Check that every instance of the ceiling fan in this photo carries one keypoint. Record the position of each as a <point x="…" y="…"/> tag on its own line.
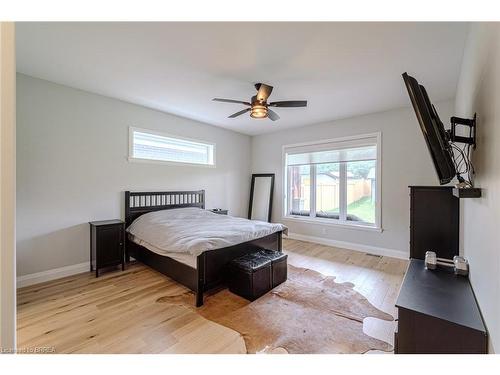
<point x="258" y="106"/>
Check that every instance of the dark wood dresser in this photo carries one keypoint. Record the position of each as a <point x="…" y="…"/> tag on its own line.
<point x="107" y="244"/>
<point x="434" y="221"/>
<point x="438" y="313"/>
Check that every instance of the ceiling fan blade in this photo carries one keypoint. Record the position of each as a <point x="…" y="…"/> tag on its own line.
<point x="289" y="103"/>
<point x="263" y="91"/>
<point x="239" y="113"/>
<point x="230" y="101"/>
<point x="272" y="115"/>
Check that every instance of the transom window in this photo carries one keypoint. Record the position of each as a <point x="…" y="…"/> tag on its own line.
<point x="154" y="146"/>
<point x="334" y="181"/>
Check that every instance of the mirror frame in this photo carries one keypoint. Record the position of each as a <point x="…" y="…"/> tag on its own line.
<point x="271" y="193"/>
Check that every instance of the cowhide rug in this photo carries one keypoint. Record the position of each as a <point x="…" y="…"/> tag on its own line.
<point x="309" y="313"/>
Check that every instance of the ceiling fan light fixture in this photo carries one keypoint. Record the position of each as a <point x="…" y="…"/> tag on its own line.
<point x="258" y="111"/>
<point x="258" y="105"/>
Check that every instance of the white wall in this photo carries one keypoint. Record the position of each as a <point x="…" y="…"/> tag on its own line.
<point x="72" y="167"/>
<point x="479" y="91"/>
<point x="405" y="161"/>
<point x="7" y="187"/>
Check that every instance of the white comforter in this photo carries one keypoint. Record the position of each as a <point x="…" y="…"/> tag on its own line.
<point x="193" y="230"/>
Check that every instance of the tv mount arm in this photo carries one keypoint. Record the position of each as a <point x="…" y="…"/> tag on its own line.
<point x="471" y="123"/>
<point x="470" y="141"/>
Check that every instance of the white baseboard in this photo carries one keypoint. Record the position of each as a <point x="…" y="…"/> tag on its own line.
<point x="56" y="273"/>
<point x="350" y="246"/>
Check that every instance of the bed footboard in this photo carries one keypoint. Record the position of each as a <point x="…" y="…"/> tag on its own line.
<point x="200" y="274"/>
<point x="211" y="265"/>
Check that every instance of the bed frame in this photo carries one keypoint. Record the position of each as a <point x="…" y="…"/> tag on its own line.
<point x="210" y="270"/>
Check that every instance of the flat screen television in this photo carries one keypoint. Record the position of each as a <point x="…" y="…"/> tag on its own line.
<point x="433" y="130"/>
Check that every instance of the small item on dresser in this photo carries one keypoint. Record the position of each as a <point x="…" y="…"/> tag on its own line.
<point x="459" y="264"/>
<point x="430" y="260"/>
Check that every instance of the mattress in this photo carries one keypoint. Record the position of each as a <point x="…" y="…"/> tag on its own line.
<point x="193" y="231"/>
<point x="184" y="258"/>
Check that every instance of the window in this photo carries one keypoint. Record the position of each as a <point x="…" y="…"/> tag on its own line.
<point x="148" y="145"/>
<point x="300" y="188"/>
<point x="334" y="181"/>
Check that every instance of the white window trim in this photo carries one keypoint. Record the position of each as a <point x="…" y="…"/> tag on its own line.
<point x="162" y="134"/>
<point x="337" y="222"/>
<point x="332" y="223"/>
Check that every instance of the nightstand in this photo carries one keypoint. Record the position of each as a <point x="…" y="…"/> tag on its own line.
<point x="219" y="211"/>
<point x="107" y="244"/>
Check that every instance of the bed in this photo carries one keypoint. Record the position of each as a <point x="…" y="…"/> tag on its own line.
<point x="202" y="272"/>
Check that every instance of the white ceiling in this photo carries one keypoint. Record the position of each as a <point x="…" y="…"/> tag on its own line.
<point x="342" y="69"/>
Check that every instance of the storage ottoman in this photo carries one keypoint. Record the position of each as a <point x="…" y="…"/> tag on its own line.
<point x="250" y="276"/>
<point x="279" y="267"/>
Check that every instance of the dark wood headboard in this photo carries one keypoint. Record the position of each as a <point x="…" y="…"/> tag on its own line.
<point x="138" y="203"/>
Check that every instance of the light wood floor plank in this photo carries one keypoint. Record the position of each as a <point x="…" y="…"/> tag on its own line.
<point x="118" y="313"/>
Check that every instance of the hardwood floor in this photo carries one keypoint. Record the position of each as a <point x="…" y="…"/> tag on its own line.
<point x="117" y="313"/>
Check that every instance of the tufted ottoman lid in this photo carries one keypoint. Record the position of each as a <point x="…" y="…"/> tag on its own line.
<point x="273" y="255"/>
<point x="251" y="262"/>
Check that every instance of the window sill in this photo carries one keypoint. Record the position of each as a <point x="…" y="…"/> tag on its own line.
<point x="173" y="163"/>
<point x="333" y="223"/>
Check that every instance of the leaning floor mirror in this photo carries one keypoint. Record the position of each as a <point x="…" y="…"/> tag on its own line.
<point x="261" y="197"/>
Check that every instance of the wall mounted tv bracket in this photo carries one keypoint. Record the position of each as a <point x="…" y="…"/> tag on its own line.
<point x="471" y="123"/>
<point x="460" y="191"/>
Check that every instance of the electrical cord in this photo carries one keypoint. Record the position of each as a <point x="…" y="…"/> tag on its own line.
<point x="462" y="163"/>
